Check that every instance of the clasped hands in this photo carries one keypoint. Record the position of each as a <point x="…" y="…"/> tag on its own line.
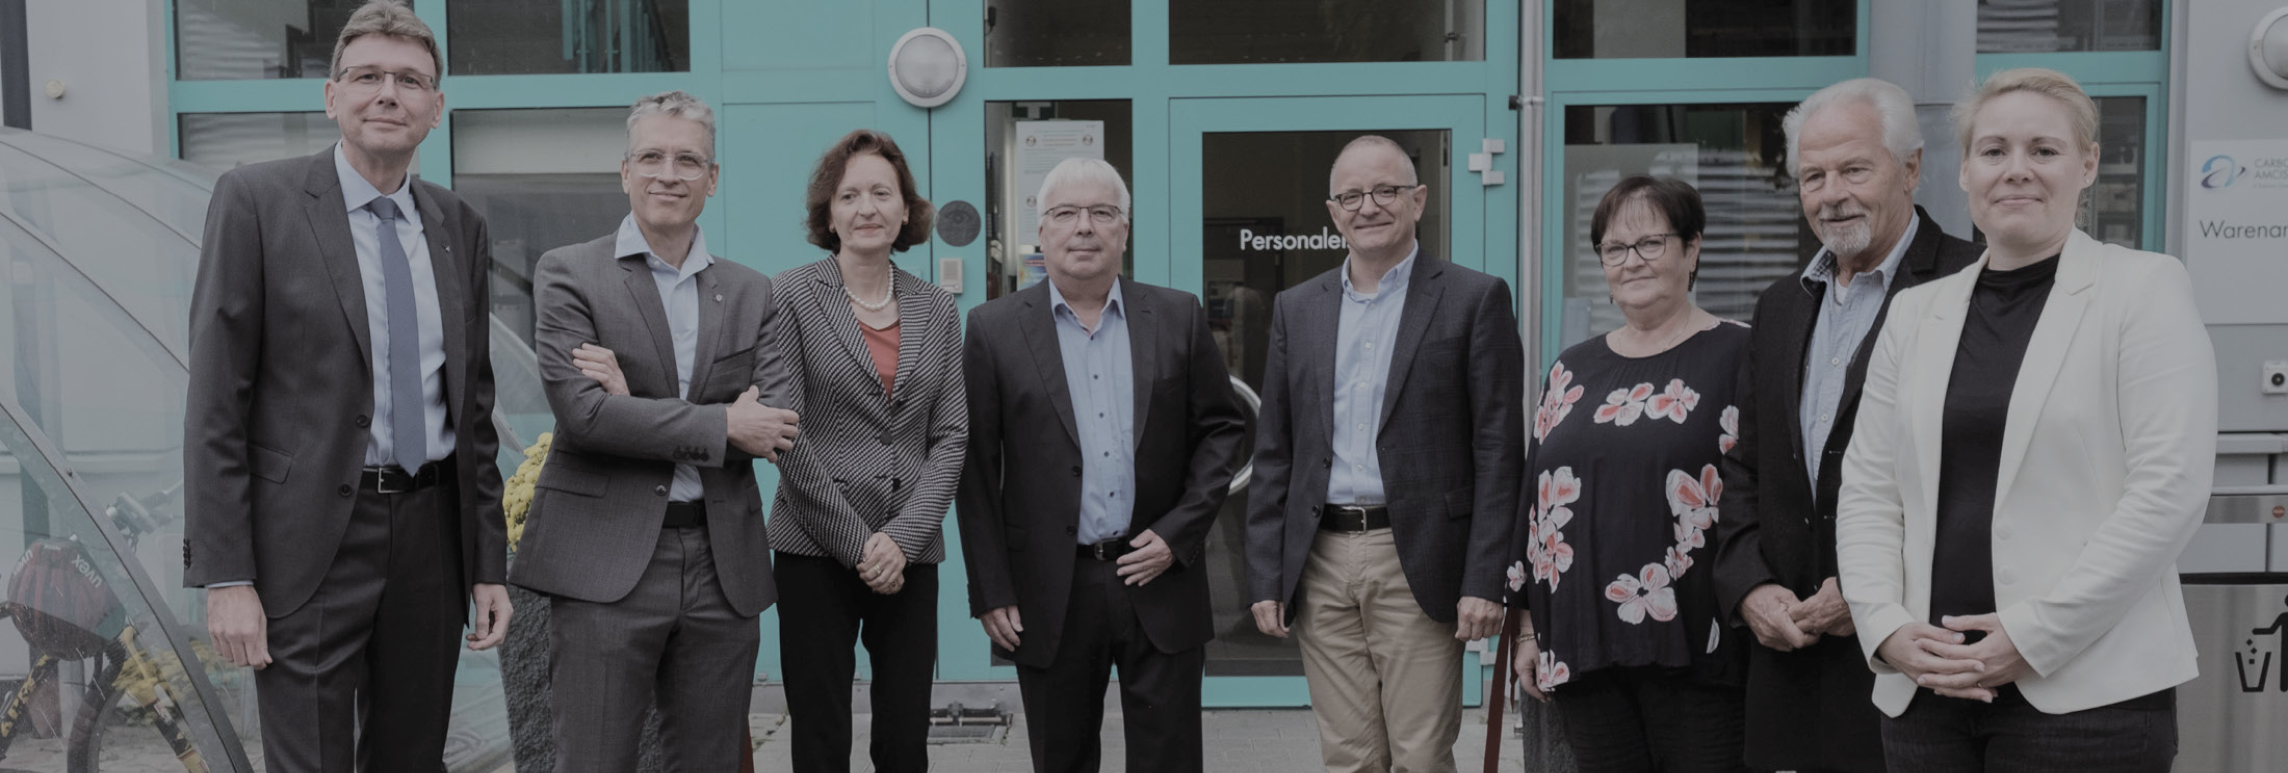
<point x="749" y="425"/>
<point x="1785" y="623"/>
<point x="1937" y="658"/>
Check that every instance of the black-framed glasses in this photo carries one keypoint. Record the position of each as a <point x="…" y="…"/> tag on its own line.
<point x="1384" y="195"/>
<point x="681" y="166"/>
<point x="1650" y="248"/>
<point x="366" y="80"/>
<point x="1101" y="215"/>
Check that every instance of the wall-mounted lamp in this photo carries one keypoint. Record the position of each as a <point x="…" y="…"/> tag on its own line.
<point x="2268" y="48"/>
<point x="927" y="67"/>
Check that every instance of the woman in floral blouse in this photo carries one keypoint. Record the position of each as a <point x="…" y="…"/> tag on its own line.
<point x="1624" y="636"/>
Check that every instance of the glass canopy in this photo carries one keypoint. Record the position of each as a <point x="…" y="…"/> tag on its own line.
<point x="98" y="251"/>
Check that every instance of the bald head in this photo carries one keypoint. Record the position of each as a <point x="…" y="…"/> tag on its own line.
<point x="1376" y="147"/>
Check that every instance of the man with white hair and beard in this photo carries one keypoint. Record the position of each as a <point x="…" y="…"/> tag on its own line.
<point x="1856" y="151"/>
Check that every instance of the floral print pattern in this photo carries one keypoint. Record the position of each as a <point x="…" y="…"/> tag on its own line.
<point x="1674" y="402"/>
<point x="1623" y="406"/>
<point x="1551" y="672"/>
<point x="1545" y="547"/>
<point x="1645" y="593"/>
<point x="1556" y="401"/>
<point x="1600" y="487"/>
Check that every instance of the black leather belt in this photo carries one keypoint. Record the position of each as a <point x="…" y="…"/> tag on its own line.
<point x="685" y="515"/>
<point x="1354" y="519"/>
<point x="393" y="479"/>
<point x="1108" y="550"/>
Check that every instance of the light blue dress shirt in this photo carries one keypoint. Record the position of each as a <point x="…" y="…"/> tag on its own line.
<point x="1845" y="316"/>
<point x="679" y="295"/>
<point x="1101" y="377"/>
<point x="365" y="233"/>
<point x="1364" y="336"/>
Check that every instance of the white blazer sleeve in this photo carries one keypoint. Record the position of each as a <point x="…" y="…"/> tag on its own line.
<point x="1870" y="519"/>
<point x="2166" y="392"/>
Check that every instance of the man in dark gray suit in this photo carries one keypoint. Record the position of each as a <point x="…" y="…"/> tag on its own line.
<point x="341" y="494"/>
<point x="1387" y="460"/>
<point x="1120" y="382"/>
<point x="647" y="529"/>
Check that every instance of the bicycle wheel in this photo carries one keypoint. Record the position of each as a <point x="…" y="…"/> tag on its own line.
<point x="99" y="708"/>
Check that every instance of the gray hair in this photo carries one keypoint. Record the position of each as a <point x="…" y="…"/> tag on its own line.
<point x="1373" y="141"/>
<point x="1076" y="170"/>
<point x="2046" y="82"/>
<point x="675" y="104"/>
<point x="1902" y="131"/>
<point x="388" y="18"/>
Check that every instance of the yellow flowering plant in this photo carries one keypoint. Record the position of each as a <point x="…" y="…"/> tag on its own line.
<point x="516" y="492"/>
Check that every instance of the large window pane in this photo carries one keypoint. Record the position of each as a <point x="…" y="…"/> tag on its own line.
<point x="1023" y="141"/>
<point x="2113" y="209"/>
<point x="1260" y="31"/>
<point x="1056" y="33"/>
<point x="1732" y="153"/>
<point x="498" y="37"/>
<point x="257" y="39"/>
<point x="542" y="179"/>
<point x="220" y="141"/>
<point x="1673" y="29"/>
<point x="2023" y="26"/>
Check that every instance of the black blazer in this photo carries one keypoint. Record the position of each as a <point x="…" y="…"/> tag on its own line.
<point x="281" y="390"/>
<point x="1020" y="508"/>
<point x="1778" y="526"/>
<point x="1452" y="444"/>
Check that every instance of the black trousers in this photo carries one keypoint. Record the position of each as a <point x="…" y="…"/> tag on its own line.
<point x="361" y="676"/>
<point x="1632" y="720"/>
<point x="674" y="639"/>
<point x="1951" y="735"/>
<point x="824" y="612"/>
<point x="1159" y="691"/>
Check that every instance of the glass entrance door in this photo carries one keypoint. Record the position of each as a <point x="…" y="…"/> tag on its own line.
<point x="1247" y="219"/>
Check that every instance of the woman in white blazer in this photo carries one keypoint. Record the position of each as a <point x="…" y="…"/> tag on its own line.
<point x="2034" y="450"/>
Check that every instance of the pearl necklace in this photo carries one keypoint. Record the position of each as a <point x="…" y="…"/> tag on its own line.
<point x="888" y="293"/>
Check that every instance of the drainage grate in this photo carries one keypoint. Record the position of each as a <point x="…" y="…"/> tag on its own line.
<point x="960" y="724"/>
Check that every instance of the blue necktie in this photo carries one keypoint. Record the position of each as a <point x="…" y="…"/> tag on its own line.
<point x="409" y="437"/>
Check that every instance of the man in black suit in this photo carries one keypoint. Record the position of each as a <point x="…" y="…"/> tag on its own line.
<point x="1856" y="152"/>
<point x="342" y="504"/>
<point x="1387" y="459"/>
<point x="1121" y="383"/>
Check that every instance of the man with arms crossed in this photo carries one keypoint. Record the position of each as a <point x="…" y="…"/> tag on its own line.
<point x="1072" y="575"/>
<point x="1856" y="151"/>
<point x="342" y="503"/>
<point x="1387" y="460"/>
<point x="647" y="529"/>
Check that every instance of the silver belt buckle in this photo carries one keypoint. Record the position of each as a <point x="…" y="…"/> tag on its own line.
<point x="1352" y="511"/>
<point x="1098" y="549"/>
<point x="381" y="482"/>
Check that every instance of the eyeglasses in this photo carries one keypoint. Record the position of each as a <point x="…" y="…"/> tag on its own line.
<point x="366" y="80"/>
<point x="1069" y="215"/>
<point x="681" y="166"/>
<point x="1650" y="248"/>
<point x="1384" y="195"/>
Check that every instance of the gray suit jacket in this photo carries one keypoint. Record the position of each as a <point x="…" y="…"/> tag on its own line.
<point x="865" y="464"/>
<point x="281" y="388"/>
<point x="1020" y="511"/>
<point x="600" y="500"/>
<point x="1452" y="442"/>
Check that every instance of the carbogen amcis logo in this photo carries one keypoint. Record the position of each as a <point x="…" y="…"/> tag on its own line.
<point x="2220" y="172"/>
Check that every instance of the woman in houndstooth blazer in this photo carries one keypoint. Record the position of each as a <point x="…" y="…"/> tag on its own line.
<point x="876" y="355"/>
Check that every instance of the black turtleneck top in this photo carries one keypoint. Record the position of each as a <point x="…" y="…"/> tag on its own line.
<point x="2000" y="322"/>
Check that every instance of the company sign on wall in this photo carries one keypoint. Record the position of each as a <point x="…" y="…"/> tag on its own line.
<point x="2236" y="230"/>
